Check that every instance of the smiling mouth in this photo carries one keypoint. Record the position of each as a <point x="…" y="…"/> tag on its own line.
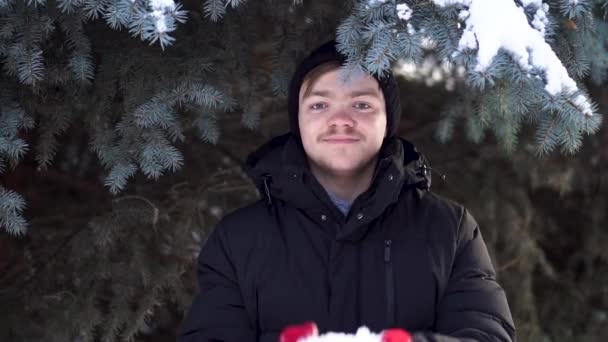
<point x="341" y="140"/>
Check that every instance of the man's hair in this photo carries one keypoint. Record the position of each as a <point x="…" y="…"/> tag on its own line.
<point x="313" y="76"/>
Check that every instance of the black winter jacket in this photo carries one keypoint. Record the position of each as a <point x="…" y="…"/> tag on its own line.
<point x="403" y="257"/>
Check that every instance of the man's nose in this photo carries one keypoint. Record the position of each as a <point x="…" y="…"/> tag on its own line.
<point x="342" y="117"/>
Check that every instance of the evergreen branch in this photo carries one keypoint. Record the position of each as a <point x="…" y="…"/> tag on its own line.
<point x="207" y="128"/>
<point x="36" y="3"/>
<point x="546" y="136"/>
<point x="445" y="128"/>
<point x="410" y="47"/>
<point x="82" y="68"/>
<point x="443" y="32"/>
<point x="52" y="125"/>
<point x="145" y="200"/>
<point x="214" y="9"/>
<point x="11" y="208"/>
<point x="13" y="149"/>
<point x="575" y="9"/>
<point x="114" y="324"/>
<point x="104" y="235"/>
<point x="591" y="124"/>
<point x="13" y="119"/>
<point x="94" y="9"/>
<point x="475" y="129"/>
<point x="119" y="173"/>
<point x="380" y="54"/>
<point x="157" y="156"/>
<point x="571" y="140"/>
<point x="251" y="119"/>
<point x="156" y="112"/>
<point x="118" y="13"/>
<point x="68" y="6"/>
<point x="30" y="66"/>
<point x="348" y="35"/>
<point x="208" y="96"/>
<point x="146" y="306"/>
<point x="235" y="3"/>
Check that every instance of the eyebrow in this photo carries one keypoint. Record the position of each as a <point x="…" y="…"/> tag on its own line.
<point x="364" y="92"/>
<point x="354" y="93"/>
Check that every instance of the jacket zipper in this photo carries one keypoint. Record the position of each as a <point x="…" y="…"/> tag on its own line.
<point x="390" y="286"/>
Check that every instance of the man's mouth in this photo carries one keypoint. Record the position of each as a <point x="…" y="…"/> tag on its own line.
<point x="341" y="140"/>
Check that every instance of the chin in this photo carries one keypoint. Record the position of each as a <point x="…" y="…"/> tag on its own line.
<point x="342" y="168"/>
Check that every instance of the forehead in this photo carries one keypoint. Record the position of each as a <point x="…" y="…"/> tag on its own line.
<point x="335" y="80"/>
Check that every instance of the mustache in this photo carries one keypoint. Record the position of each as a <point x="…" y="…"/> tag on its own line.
<point x="351" y="133"/>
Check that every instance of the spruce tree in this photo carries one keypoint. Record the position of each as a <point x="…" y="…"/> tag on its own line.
<point x="131" y="85"/>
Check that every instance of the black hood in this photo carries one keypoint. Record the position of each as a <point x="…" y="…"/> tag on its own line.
<point x="280" y="169"/>
<point x="328" y="52"/>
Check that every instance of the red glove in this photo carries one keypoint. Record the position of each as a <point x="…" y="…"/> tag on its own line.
<point x="396" y="335"/>
<point x="294" y="333"/>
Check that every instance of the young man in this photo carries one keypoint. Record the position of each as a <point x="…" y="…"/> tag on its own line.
<point x="347" y="233"/>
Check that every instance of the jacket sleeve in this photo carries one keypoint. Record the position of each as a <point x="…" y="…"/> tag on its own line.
<point x="218" y="312"/>
<point x="474" y="307"/>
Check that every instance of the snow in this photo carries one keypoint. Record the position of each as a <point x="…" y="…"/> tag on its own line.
<point x="404" y="12"/>
<point x="540" y="21"/>
<point x="463" y="15"/>
<point x="159" y="9"/>
<point x="537" y="3"/>
<point x="363" y="335"/>
<point x="161" y="4"/>
<point x="581" y="102"/>
<point x="444" y="3"/>
<point x="492" y="25"/>
<point x="410" y="29"/>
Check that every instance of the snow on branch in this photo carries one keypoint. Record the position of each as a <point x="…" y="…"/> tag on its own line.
<point x="160" y="9"/>
<point x="151" y="20"/>
<point x="163" y="14"/>
<point x="492" y="25"/>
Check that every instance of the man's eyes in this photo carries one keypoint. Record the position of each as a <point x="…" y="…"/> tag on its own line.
<point x="362" y="105"/>
<point x="356" y="105"/>
<point x="317" y="106"/>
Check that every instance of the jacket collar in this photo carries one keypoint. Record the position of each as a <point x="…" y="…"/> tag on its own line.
<point x="279" y="169"/>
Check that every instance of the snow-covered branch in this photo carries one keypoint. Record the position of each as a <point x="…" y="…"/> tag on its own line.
<point x="494" y="25"/>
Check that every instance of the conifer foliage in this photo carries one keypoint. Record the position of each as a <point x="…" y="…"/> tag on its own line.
<point x="145" y="78"/>
<point x="505" y="86"/>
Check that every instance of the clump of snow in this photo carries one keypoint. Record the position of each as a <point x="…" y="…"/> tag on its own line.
<point x="363" y="335"/>
<point x="463" y="15"/>
<point x="444" y="3"/>
<point x="404" y="12"/>
<point x="491" y="25"/>
<point x="159" y="12"/>
<point x="376" y="2"/>
<point x="160" y="4"/>
<point x="581" y="102"/>
<point x="541" y="21"/>
<point x="538" y="3"/>
<point x="410" y="29"/>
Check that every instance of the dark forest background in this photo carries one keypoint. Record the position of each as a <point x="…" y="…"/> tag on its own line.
<point x="95" y="265"/>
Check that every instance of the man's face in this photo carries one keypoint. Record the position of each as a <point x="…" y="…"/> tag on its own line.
<point x="342" y="124"/>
